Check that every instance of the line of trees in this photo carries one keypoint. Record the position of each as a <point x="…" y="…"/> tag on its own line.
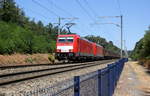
<point x="102" y="41"/>
<point x="20" y="34"/>
<point x="142" y="48"/>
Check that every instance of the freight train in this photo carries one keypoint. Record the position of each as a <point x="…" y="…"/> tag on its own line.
<point x="72" y="47"/>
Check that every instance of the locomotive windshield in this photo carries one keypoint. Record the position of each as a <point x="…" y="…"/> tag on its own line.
<point x="61" y="39"/>
<point x="65" y="39"/>
<point x="69" y="39"/>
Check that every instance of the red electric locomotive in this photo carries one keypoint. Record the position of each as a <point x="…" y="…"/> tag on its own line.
<point x="73" y="47"/>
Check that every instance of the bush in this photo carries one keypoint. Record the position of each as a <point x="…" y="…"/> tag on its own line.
<point x="29" y="60"/>
<point x="51" y="58"/>
<point x="40" y="45"/>
<point x="15" y="39"/>
<point x="142" y="48"/>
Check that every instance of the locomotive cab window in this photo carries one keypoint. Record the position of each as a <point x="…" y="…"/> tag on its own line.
<point x="61" y="39"/>
<point x="65" y="39"/>
<point x="69" y="39"/>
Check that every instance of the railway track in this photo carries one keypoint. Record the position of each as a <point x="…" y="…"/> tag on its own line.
<point x="30" y="65"/>
<point x="15" y="77"/>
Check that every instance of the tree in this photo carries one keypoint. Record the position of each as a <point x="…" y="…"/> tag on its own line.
<point x="9" y="10"/>
<point x="137" y="50"/>
<point x="40" y="28"/>
<point x="101" y="41"/>
<point x="20" y="34"/>
<point x="141" y="50"/>
<point x="111" y="43"/>
<point x="1" y="9"/>
<point x="146" y="44"/>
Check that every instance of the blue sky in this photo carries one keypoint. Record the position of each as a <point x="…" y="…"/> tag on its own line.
<point x="136" y="17"/>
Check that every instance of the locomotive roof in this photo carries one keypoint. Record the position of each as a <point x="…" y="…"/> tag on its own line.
<point x="75" y="35"/>
<point x="68" y="35"/>
<point x="91" y="41"/>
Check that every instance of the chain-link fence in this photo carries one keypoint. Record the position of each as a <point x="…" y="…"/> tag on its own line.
<point x="64" y="88"/>
<point x="89" y="84"/>
<point x="99" y="83"/>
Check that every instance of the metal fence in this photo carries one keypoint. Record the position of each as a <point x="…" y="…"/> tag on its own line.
<point x="99" y="83"/>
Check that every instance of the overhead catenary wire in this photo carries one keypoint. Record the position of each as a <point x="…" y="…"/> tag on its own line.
<point x="119" y="7"/>
<point x="87" y="13"/>
<point x="38" y="14"/>
<point x="92" y="10"/>
<point x="82" y="7"/>
<point x="61" y="9"/>
<point x="35" y="12"/>
<point x="50" y="11"/>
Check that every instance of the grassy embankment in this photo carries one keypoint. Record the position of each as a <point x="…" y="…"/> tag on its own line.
<point x="22" y="59"/>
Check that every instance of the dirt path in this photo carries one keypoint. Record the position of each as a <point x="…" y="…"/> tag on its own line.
<point x="134" y="81"/>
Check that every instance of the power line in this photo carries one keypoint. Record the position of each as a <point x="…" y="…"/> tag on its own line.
<point x="87" y="14"/>
<point x="81" y="6"/>
<point x="39" y="14"/>
<point x="107" y="29"/>
<point x="121" y="28"/>
<point x="92" y="10"/>
<point x="119" y="7"/>
<point x="61" y="9"/>
<point x="36" y="12"/>
<point x="45" y="8"/>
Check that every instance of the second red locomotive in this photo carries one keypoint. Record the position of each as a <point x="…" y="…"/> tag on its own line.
<point x="73" y="47"/>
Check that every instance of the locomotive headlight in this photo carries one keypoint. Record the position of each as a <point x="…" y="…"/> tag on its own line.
<point x="58" y="50"/>
<point x="70" y="50"/>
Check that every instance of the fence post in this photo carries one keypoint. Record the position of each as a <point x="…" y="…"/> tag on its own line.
<point x="76" y="85"/>
<point x="109" y="80"/>
<point x="119" y="68"/>
<point x="115" y="69"/>
<point x="99" y="83"/>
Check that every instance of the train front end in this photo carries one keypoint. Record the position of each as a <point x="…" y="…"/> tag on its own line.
<point x="65" y="47"/>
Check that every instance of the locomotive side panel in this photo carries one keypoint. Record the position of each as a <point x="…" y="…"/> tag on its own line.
<point x="85" y="48"/>
<point x="99" y="52"/>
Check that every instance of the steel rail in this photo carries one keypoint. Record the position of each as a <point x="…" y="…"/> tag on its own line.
<point x="26" y="75"/>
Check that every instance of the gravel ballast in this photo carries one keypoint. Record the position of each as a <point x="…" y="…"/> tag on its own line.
<point x="44" y="82"/>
